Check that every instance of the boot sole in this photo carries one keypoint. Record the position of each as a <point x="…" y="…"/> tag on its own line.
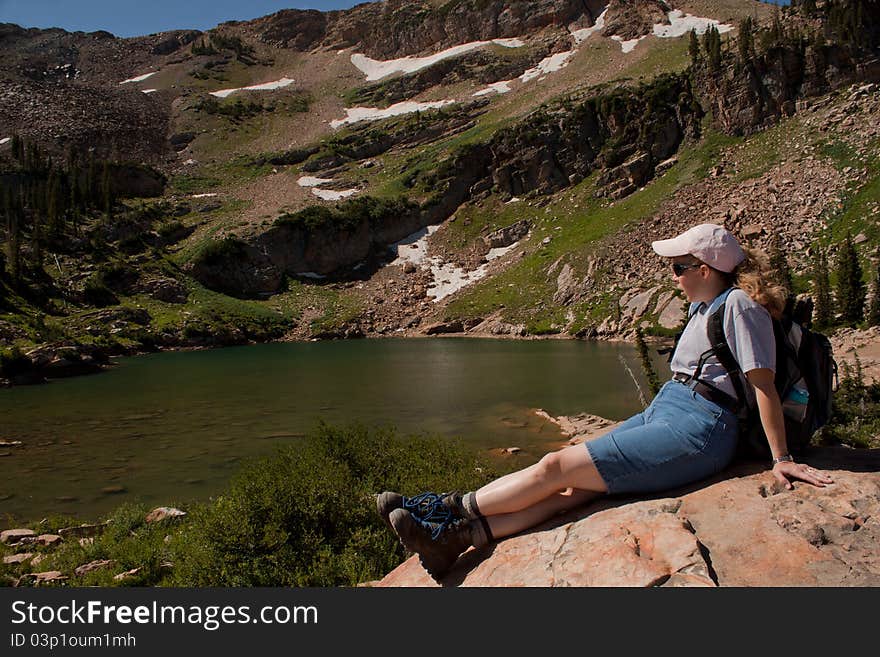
<point x="386" y="503"/>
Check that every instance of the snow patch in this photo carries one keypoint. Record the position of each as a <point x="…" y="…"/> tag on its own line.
<point x="355" y="114"/>
<point x="376" y="69"/>
<point x="311" y="181"/>
<point x="149" y="91"/>
<point x="4" y="140"/>
<point x="496" y="87"/>
<point x="139" y="78"/>
<point x="325" y="194"/>
<point x="331" y="195"/>
<point x="266" y="86"/>
<point x="681" y="23"/>
<point x="209" y="195"/>
<point x="447" y="278"/>
<point x="548" y="65"/>
<point x="580" y="36"/>
<point x="628" y="45"/>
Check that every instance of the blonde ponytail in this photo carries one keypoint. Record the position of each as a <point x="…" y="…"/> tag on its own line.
<point x="756" y="278"/>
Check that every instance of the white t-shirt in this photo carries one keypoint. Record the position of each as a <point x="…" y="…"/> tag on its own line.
<point x="749" y="332"/>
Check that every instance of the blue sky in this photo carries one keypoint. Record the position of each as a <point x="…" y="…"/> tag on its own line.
<point x="127" y="18"/>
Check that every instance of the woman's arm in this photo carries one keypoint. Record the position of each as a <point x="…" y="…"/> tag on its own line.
<point x="773" y="422"/>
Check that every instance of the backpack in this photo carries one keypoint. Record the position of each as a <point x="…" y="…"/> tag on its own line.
<point x="805" y="379"/>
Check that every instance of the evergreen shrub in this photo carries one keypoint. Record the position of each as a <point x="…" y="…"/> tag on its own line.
<point x="307" y="517"/>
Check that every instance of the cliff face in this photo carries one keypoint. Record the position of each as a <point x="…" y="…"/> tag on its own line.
<point x="396" y="28"/>
<point x="748" y="98"/>
<point x="738" y="529"/>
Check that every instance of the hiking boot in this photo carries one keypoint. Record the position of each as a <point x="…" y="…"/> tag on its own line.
<point x="438" y="545"/>
<point x="429" y="507"/>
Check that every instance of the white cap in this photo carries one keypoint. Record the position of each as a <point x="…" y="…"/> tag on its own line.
<point x="711" y="243"/>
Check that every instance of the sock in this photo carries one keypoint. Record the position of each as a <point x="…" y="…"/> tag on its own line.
<point x="481" y="533"/>
<point x="469" y="506"/>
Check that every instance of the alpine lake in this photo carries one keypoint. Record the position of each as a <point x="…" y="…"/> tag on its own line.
<point x="172" y="427"/>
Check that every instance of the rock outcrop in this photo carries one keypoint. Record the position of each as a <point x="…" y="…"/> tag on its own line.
<point x="737" y="529"/>
<point x="397" y="28"/>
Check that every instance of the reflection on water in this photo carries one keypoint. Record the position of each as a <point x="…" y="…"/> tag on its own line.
<point x="174" y="427"/>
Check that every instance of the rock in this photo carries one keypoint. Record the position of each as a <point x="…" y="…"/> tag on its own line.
<point x="860" y="238"/>
<point x="113" y="490"/>
<point x="673" y="314"/>
<point x="736" y="529"/>
<point x="83" y="530"/>
<point x="164" y="513"/>
<point x="126" y="574"/>
<point x="512" y="450"/>
<point x="166" y="289"/>
<point x="13" y="536"/>
<point x="568" y="287"/>
<point x="637" y="305"/>
<point x="48" y="539"/>
<point x="98" y="564"/>
<point x="508" y="235"/>
<point x="18" y="558"/>
<point x="443" y="327"/>
<point x="39" y="578"/>
<point x="752" y="230"/>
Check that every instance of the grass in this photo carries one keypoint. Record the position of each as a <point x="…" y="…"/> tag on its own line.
<point x="575" y="221"/>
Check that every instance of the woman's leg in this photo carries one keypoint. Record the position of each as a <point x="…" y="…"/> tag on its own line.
<point x="506" y="524"/>
<point x="570" y="467"/>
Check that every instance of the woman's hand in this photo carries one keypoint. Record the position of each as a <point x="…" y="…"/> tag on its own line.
<point x="786" y="471"/>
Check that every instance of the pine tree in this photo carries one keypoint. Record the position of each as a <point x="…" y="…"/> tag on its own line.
<point x="746" y="39"/>
<point x="106" y="192"/>
<point x="647" y="366"/>
<point x="850" y="286"/>
<point x="821" y="292"/>
<point x="17" y="148"/>
<point x="779" y="264"/>
<point x="14" y="235"/>
<point x="874" y="306"/>
<point x="54" y="207"/>
<point x="694" y="47"/>
<point x="712" y="46"/>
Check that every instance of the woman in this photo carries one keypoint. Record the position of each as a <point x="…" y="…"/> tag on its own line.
<point x="689" y="431"/>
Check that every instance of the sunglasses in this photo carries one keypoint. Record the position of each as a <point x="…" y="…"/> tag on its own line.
<point x="678" y="268"/>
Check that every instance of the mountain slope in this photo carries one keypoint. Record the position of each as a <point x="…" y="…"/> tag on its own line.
<point x="554" y="140"/>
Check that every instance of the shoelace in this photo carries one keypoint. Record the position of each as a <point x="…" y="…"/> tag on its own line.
<point x="429" y="511"/>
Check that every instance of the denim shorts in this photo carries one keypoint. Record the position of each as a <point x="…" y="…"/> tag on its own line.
<point x="680" y="438"/>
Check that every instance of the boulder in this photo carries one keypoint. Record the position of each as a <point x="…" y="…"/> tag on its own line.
<point x="739" y="528"/>
<point x="38" y="578"/>
<point x="443" y="327"/>
<point x="13" y="536"/>
<point x="48" y="539"/>
<point x="17" y="558"/>
<point x="164" y="513"/>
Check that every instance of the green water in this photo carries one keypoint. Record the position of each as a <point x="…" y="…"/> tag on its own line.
<point x="173" y="427"/>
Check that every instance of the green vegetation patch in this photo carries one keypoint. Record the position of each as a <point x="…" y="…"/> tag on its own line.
<point x="349" y="214"/>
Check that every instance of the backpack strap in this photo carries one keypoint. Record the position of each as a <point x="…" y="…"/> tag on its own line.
<point x="720" y="347"/>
